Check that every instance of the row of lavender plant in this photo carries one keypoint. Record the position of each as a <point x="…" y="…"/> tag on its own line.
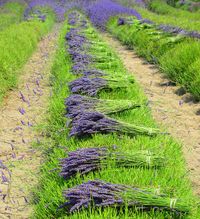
<point x="89" y="116"/>
<point x="101" y="11"/>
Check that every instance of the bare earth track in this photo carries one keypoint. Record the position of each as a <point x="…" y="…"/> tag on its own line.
<point x="176" y="113"/>
<point x="22" y="110"/>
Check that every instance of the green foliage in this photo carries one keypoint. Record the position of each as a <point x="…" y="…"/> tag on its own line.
<point x="188" y="21"/>
<point x="175" y="63"/>
<point x="194" y="81"/>
<point x="172" y="179"/>
<point x="161" y="7"/>
<point x="173" y="54"/>
<point x="17" y="43"/>
<point x="11" y="13"/>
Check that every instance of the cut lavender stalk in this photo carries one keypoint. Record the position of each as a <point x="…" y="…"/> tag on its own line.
<point x="87" y="160"/>
<point x="92" y="85"/>
<point x="98" y="193"/>
<point x="89" y="123"/>
<point x="77" y="104"/>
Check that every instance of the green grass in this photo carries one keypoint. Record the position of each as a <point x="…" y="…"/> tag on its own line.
<point x="194" y="80"/>
<point x="17" y="43"/>
<point x="161" y="7"/>
<point x="175" y="63"/>
<point x="11" y="13"/>
<point x="172" y="179"/>
<point x="173" y="54"/>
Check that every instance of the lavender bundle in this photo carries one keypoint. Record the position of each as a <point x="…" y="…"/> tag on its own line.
<point x="98" y="193"/>
<point x="77" y="104"/>
<point x="94" y="73"/>
<point x="86" y="160"/>
<point x="92" y="85"/>
<point x="89" y="123"/>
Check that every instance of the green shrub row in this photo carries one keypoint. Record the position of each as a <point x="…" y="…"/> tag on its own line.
<point x="176" y="56"/>
<point x="185" y="22"/>
<point x="161" y="7"/>
<point x="17" y="43"/>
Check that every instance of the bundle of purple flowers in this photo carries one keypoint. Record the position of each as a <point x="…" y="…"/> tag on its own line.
<point x="76" y="104"/>
<point x="91" y="86"/>
<point x="85" y="160"/>
<point x="78" y="44"/>
<point x="98" y="193"/>
<point x="88" y="123"/>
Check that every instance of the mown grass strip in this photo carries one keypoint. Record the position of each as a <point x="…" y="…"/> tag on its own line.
<point x="17" y="43"/>
<point x="172" y="179"/>
<point x="177" y="57"/>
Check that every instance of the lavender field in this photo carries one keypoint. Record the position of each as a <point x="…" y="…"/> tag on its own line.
<point x="99" y="109"/>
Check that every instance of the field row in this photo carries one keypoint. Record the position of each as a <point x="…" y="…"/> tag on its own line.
<point x="177" y="57"/>
<point x="162" y="13"/>
<point x="17" y="43"/>
<point x="103" y="147"/>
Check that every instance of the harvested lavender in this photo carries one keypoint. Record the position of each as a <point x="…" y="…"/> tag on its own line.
<point x="92" y="85"/>
<point x="86" y="160"/>
<point x="88" y="123"/>
<point x="94" y="72"/>
<point x="77" y="104"/>
<point x="103" y="194"/>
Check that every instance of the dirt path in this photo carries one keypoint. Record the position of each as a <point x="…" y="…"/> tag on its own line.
<point x="21" y="112"/>
<point x="177" y="113"/>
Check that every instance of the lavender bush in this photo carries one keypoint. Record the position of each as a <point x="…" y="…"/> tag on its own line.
<point x="58" y="6"/>
<point x="85" y="160"/>
<point x="98" y="193"/>
<point x="89" y="123"/>
<point x="101" y="11"/>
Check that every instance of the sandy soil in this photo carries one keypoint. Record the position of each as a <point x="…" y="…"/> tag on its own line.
<point x="171" y="107"/>
<point x="22" y="110"/>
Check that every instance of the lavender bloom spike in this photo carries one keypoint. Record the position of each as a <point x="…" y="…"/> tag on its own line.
<point x="22" y="97"/>
<point x="4" y="178"/>
<point x="22" y="111"/>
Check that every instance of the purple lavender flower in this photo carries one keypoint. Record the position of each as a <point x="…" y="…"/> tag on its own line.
<point x="101" y="11"/>
<point x="22" y="111"/>
<point x="59" y="8"/>
<point x="4" y="178"/>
